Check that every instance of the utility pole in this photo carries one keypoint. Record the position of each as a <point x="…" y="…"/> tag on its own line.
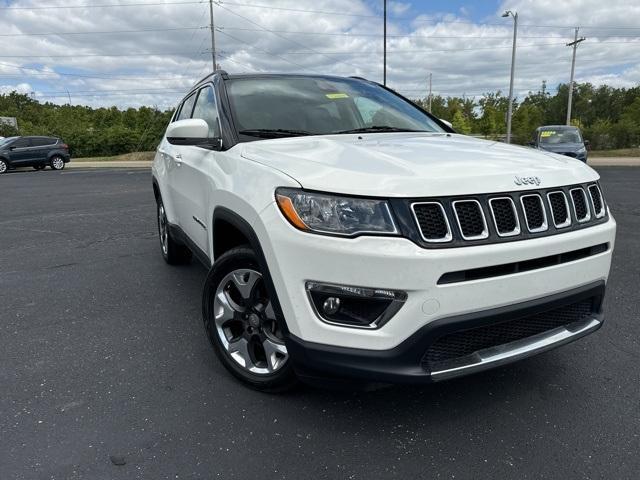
<point x="573" y="44"/>
<point x="213" y="36"/>
<point x="384" y="48"/>
<point x="430" y="75"/>
<point x="513" y="66"/>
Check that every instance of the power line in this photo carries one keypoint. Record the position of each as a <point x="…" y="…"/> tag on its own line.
<point x="105" y="32"/>
<point x="103" y="5"/>
<point x="145" y="54"/>
<point x="278" y="35"/>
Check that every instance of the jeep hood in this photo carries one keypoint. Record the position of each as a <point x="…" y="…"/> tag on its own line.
<point x="413" y="164"/>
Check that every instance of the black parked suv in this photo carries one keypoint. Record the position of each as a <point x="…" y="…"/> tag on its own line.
<point x="36" y="152"/>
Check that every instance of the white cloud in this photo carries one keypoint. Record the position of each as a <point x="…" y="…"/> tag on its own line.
<point x="469" y="58"/>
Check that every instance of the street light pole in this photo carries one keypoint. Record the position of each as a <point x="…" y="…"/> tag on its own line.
<point x="513" y="66"/>
<point x="384" y="48"/>
<point x="573" y="44"/>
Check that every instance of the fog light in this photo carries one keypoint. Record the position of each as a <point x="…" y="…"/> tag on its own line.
<point x="331" y="305"/>
<point x="351" y="306"/>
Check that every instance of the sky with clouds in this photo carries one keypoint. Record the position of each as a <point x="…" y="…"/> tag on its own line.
<point x="125" y="53"/>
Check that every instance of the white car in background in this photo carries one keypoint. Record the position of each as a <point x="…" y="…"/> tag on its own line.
<point x="350" y="235"/>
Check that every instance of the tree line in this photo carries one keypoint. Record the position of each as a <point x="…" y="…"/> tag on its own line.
<point x="609" y="118"/>
<point x="90" y="132"/>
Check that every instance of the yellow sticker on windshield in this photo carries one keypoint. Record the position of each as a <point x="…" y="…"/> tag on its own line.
<point x="547" y="133"/>
<point x="333" y="96"/>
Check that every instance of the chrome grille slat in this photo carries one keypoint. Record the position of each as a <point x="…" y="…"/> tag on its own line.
<point x="472" y="226"/>
<point x="432" y="221"/>
<point x="580" y="205"/>
<point x="559" y="208"/>
<point x="502" y="219"/>
<point x="596" y="201"/>
<point x="535" y="216"/>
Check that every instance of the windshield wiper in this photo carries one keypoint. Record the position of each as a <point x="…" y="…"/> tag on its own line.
<point x="273" y="132"/>
<point x="377" y="128"/>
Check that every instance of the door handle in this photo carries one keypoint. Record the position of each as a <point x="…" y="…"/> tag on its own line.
<point x="178" y="158"/>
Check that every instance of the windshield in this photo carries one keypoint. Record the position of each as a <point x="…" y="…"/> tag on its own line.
<point x="7" y="140"/>
<point x="560" y="135"/>
<point x="288" y="106"/>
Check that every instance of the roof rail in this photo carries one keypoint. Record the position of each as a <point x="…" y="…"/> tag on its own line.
<point x="222" y="73"/>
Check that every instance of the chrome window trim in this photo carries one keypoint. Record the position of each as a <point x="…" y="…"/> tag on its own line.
<point x="567" y="221"/>
<point x="586" y="203"/>
<point x="447" y="238"/>
<point x="545" y="225"/>
<point x="603" y="211"/>
<point x="516" y="231"/>
<point x="485" y="231"/>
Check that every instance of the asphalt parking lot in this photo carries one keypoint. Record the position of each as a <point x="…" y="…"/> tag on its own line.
<point x="102" y="354"/>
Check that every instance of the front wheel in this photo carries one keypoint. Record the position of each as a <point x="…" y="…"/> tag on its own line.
<point x="241" y="324"/>
<point x="172" y="252"/>
<point x="57" y="162"/>
<point x="3" y="167"/>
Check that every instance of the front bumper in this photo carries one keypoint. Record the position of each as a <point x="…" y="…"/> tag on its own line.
<point x="295" y="257"/>
<point x="405" y="363"/>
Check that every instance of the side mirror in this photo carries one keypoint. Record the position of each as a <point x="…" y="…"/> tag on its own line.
<point x="447" y="123"/>
<point x="587" y="144"/>
<point x="193" y="131"/>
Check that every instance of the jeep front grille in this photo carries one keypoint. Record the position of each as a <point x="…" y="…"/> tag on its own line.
<point x="492" y="218"/>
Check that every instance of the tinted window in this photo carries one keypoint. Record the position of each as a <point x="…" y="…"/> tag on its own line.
<point x="42" y="141"/>
<point x="207" y="110"/>
<point x="321" y="105"/>
<point x="187" y="107"/>
<point x="21" y="142"/>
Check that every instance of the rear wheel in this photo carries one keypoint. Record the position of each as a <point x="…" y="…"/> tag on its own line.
<point x="172" y="252"/>
<point x="57" y="162"/>
<point x="241" y="324"/>
<point x="3" y="167"/>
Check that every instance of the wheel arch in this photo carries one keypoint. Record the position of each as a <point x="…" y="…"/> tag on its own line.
<point x="223" y="217"/>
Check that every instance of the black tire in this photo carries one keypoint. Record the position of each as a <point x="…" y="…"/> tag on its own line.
<point x="173" y="252"/>
<point x="272" y="376"/>
<point x="4" y="167"/>
<point x="56" y="163"/>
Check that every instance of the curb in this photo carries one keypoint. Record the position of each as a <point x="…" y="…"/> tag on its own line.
<point x="109" y="164"/>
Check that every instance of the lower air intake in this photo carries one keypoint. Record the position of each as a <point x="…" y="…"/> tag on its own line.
<point x="457" y="345"/>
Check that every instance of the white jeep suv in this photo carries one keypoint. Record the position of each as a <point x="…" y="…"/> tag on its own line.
<point x="352" y="236"/>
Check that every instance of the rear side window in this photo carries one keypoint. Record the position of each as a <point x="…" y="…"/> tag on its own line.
<point x="187" y="108"/>
<point x="42" y="141"/>
<point x="207" y="110"/>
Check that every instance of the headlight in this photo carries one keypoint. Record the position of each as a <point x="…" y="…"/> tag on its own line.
<point x="336" y="215"/>
<point x="581" y="150"/>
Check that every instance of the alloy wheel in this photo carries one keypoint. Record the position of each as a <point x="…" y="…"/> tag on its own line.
<point x="3" y="166"/>
<point x="163" y="230"/>
<point x="246" y="325"/>
<point x="57" y="163"/>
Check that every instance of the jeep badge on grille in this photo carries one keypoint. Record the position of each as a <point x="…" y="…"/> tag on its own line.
<point x="527" y="180"/>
